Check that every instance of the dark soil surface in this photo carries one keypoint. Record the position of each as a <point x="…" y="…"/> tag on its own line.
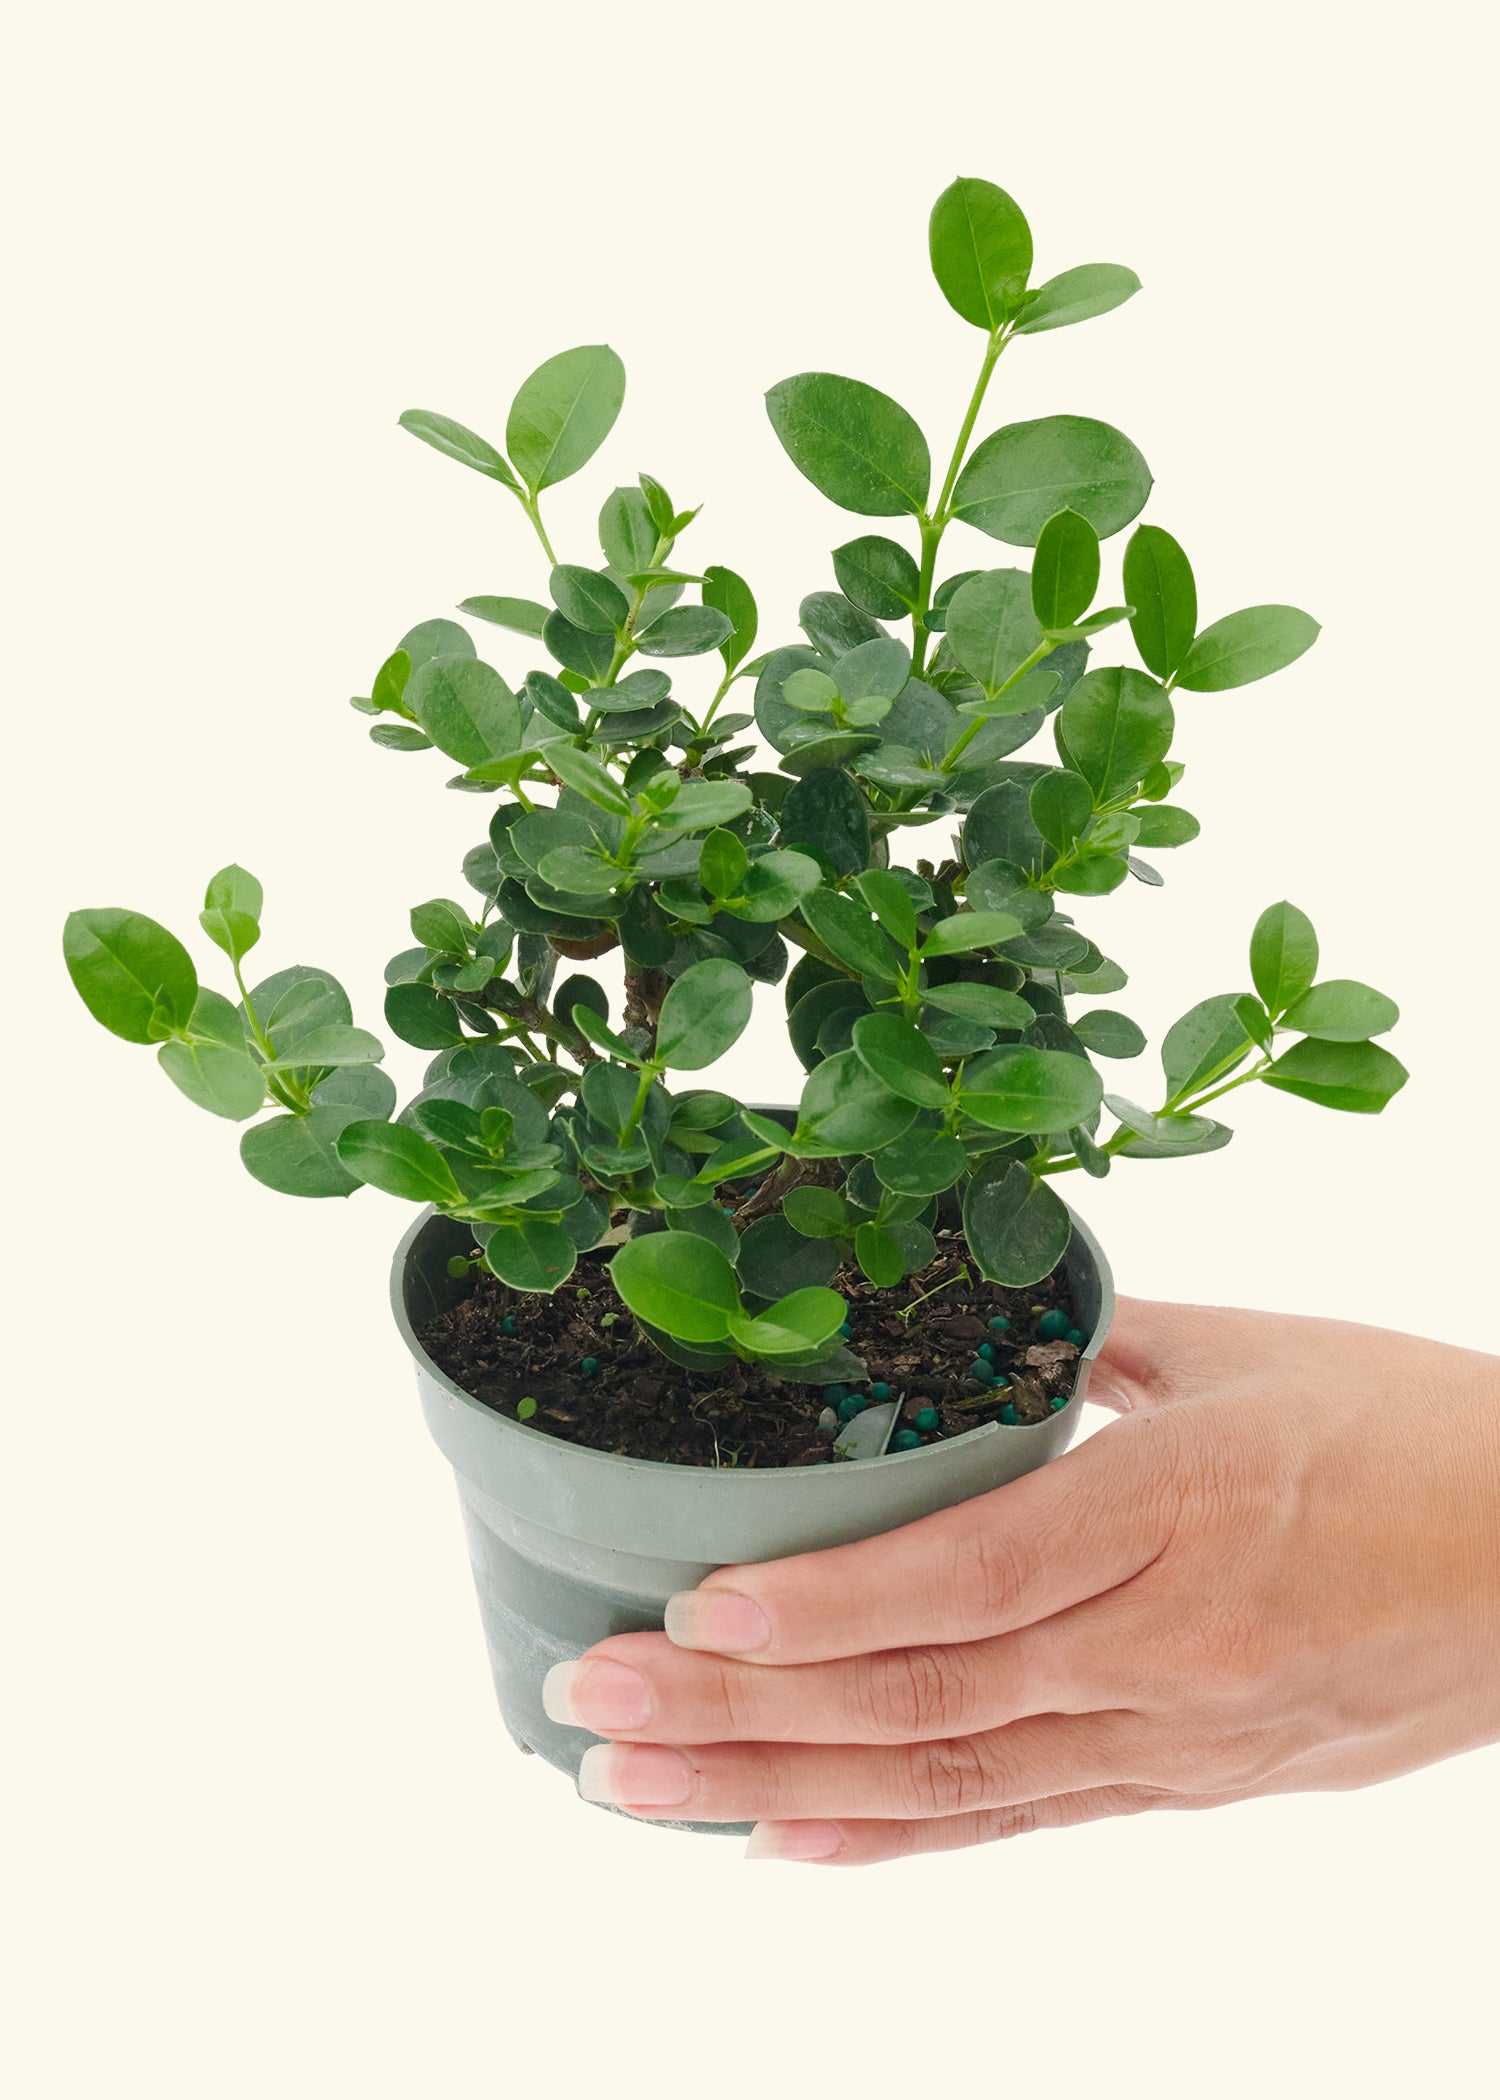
<point x="506" y="1347"/>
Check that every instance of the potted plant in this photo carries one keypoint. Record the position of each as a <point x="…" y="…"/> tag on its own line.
<point x="658" y="1329"/>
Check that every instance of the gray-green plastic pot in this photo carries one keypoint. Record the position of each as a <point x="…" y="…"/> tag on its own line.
<point x="569" y="1545"/>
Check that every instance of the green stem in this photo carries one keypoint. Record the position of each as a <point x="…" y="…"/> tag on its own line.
<point x="936" y="525"/>
<point x="1042" y="649"/>
<point x="649" y="1074"/>
<point x="533" y="510"/>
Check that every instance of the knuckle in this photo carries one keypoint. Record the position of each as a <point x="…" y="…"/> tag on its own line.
<point x="948" y="1778"/>
<point x="907" y="1694"/>
<point x="988" y="1570"/>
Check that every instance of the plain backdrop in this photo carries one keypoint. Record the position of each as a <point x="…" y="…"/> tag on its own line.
<point x="265" y="1833"/>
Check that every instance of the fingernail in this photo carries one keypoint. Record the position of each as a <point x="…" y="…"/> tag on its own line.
<point x="596" y="1694"/>
<point x="635" y="1775"/>
<point x="723" y="1620"/>
<point x="795" y="1841"/>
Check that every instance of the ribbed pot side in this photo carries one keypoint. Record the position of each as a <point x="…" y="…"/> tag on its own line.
<point x="569" y="1545"/>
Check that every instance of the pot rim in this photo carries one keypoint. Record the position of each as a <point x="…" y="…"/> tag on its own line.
<point x="750" y="1477"/>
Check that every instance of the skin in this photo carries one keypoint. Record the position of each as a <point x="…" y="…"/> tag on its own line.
<point x="1278" y="1571"/>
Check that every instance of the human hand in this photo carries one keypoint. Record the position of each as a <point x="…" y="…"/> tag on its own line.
<point x="1280" y="1570"/>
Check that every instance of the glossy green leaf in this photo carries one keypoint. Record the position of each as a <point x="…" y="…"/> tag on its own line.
<point x="1115" y="725"/>
<point x="850" y="935"/>
<point x="1065" y="573"/>
<point x="455" y="441"/>
<point x="983" y="1003"/>
<point x="1020" y="1088"/>
<point x="921" y="1162"/>
<point x="879" y="1255"/>
<point x="992" y="628"/>
<point x="1245" y="646"/>
<point x="801" y="1324"/>
<point x="875" y="670"/>
<point x="703" y="1015"/>
<point x="520" y="615"/>
<point x="679" y="1282"/>
<point x="135" y="978"/>
<point x="846" y="1109"/>
<point x="1021" y="476"/>
<point x="227" y="1082"/>
<point x="423" y="1017"/>
<point x="231" y="911"/>
<point x="297" y="1155"/>
<point x="399" y="736"/>
<point x="701" y="805"/>
<point x="722" y="862"/>
<point x="900" y="1057"/>
<point x="1078" y="295"/>
<point x="1159" y="584"/>
<point x="825" y="810"/>
<point x="1109" y="1034"/>
<point x="774" y="1258"/>
<point x="1283" y="956"/>
<point x="968" y="931"/>
<point x="1017" y="1229"/>
<point x="390" y="1157"/>
<point x="588" y="599"/>
<point x="1342" y="1011"/>
<point x="817" y="1213"/>
<point x="878" y="576"/>
<point x="588" y="778"/>
<point x="892" y="903"/>
<point x="686" y="630"/>
<point x="563" y="413"/>
<point x="980" y="245"/>
<point x="466" y="708"/>
<point x="727" y="593"/>
<point x="531" y="1254"/>
<point x="1166" y="1134"/>
<point x="1357" y="1077"/>
<point x="855" y="444"/>
<point x="1062" y="806"/>
<point x="1162" y="825"/>
<point x="774" y="886"/>
<point x="1206" y="1044"/>
<point x="336" y="1044"/>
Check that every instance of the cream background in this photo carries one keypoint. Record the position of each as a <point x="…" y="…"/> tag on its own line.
<point x="265" y="1832"/>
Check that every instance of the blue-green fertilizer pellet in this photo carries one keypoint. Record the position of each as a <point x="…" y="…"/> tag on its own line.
<point x="1077" y="1337"/>
<point x="905" y="1440"/>
<point x="846" y="1330"/>
<point x="833" y="1394"/>
<point x="589" y="1366"/>
<point x="1058" y="1402"/>
<point x="1009" y="1416"/>
<point x="880" y="1390"/>
<point x="508" y="1326"/>
<point x="984" y="1372"/>
<point x="851" y="1405"/>
<point x="1000" y="1324"/>
<point x="1052" y="1326"/>
<point x="927" y="1418"/>
<point x="987" y="1351"/>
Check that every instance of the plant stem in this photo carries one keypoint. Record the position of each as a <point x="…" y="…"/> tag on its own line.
<point x="533" y="509"/>
<point x="936" y="525"/>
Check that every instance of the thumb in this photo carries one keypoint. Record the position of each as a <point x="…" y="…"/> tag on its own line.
<point x="1155" y="1354"/>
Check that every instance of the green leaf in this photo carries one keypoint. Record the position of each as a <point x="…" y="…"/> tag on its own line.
<point x="1062" y="806"/>
<point x="399" y="736"/>
<point x="920" y="1163"/>
<point x="423" y="1017"/>
<point x="1078" y="295"/>
<point x="389" y="1156"/>
<point x="679" y="1282"/>
<point x="818" y="1214"/>
<point x="969" y="930"/>
<point x="686" y="630"/>
<point x="701" y="805"/>
<point x="1159" y="584"/>
<point x="1342" y="1011"/>
<point x="846" y="1109"/>
<point x="826" y="811"/>
<point x="1021" y="1088"/>
<point x="456" y="442"/>
<point x="1245" y="646"/>
<point x="992" y="628"/>
<point x="1255" y="1021"/>
<point x="892" y="904"/>
<point x="1204" y="1045"/>
<point x="1021" y="476"/>
<point x="878" y="576"/>
<point x="531" y="1254"/>
<point x="520" y="615"/>
<point x="875" y="670"/>
<point x="587" y="656"/>
<point x="231" y="913"/>
<point x="336" y="1044"/>
<point x="703" y="1015"/>
<point x="725" y="592"/>
<point x="627" y="532"/>
<point x="1165" y="1133"/>
<point x="879" y="1256"/>
<point x="855" y="444"/>
<point x="810" y="691"/>
<point x="1065" y="573"/>
<point x="227" y="1082"/>
<point x="980" y="246"/>
<point x="588" y="599"/>
<point x="850" y="935"/>
<point x="799" y="1325"/>
<point x="1114" y="726"/>
<point x="292" y="1003"/>
<point x="1017" y="1229"/>
<point x="135" y="978"/>
<point x="722" y="862"/>
<point x="1109" y="1034"/>
<point x="774" y="1258"/>
<point x="983" y="1003"/>
<point x="774" y="886"/>
<point x="900" y="1057"/>
<point x="587" y="777"/>
<point x="1357" y="1077"/>
<point x="1162" y="825"/>
<point x="297" y="1156"/>
<point x="466" y="708"/>
<point x="563" y="413"/>
<point x="443" y="925"/>
<point x="1283" y="956"/>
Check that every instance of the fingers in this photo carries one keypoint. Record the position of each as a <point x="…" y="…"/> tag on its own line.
<point x="762" y="1782"/>
<point x="860" y="1844"/>
<point x="1070" y="1531"/>
<point x="639" y="1686"/>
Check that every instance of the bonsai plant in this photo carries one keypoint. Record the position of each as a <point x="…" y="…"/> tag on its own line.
<point x="868" y="839"/>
